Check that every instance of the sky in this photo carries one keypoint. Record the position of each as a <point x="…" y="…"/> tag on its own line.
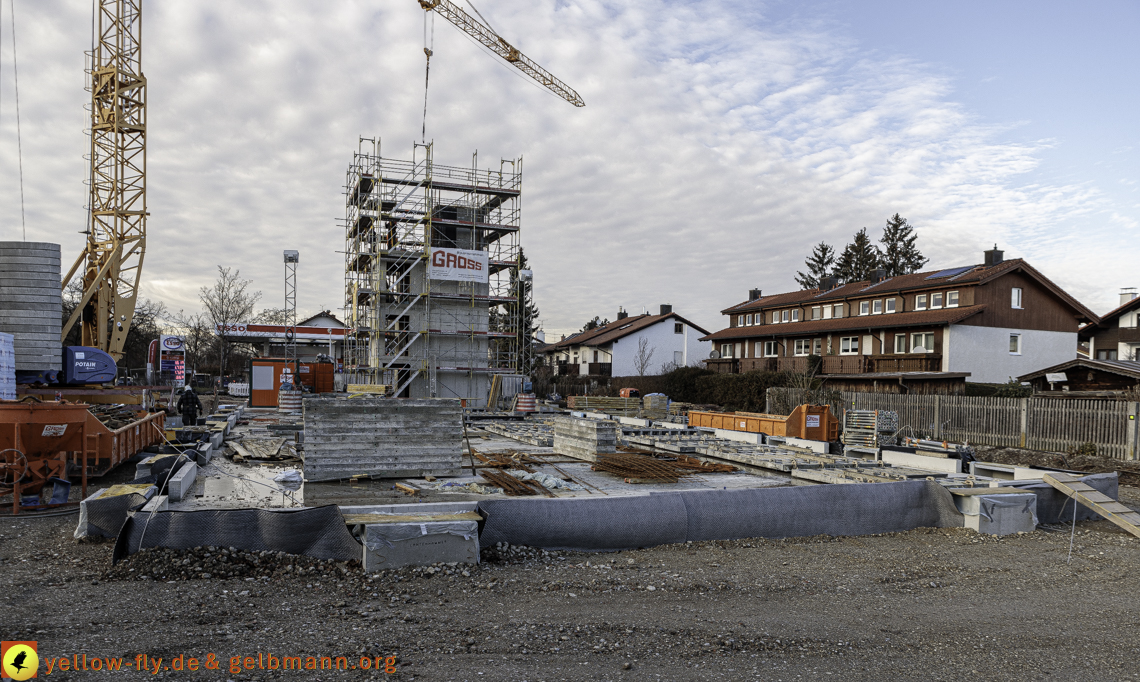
<point x="720" y="140"/>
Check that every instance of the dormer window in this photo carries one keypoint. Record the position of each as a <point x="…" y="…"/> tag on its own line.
<point x="815" y="312"/>
<point x="936" y="300"/>
<point x="952" y="299"/>
<point x="783" y="315"/>
<point x="827" y="312"/>
<point x="864" y="307"/>
<point x="796" y="315"/>
<point x="920" y="302"/>
<point x="748" y="320"/>
<point x="890" y="305"/>
<point x="876" y="307"/>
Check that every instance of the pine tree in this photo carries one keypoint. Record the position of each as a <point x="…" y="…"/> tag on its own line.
<point x="858" y="259"/>
<point x="818" y="266"/>
<point x="900" y="255"/>
<point x="529" y="315"/>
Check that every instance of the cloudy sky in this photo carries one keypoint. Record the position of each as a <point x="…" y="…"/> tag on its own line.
<point x="720" y="140"/>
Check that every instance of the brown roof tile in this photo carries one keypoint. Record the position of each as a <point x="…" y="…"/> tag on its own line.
<point x="920" y="318"/>
<point x="619" y="328"/>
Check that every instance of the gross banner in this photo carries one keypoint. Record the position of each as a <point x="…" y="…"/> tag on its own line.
<point x="458" y="265"/>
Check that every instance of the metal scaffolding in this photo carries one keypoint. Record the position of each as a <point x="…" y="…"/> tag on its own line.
<point x="427" y="337"/>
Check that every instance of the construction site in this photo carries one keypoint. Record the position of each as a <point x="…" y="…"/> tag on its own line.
<point x="412" y="508"/>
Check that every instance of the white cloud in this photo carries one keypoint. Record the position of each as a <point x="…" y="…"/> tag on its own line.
<point x="714" y="150"/>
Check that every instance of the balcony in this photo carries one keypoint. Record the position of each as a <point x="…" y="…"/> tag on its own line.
<point x="832" y="364"/>
<point x="601" y="369"/>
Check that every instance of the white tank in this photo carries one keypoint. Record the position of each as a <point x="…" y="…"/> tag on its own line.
<point x="31" y="308"/>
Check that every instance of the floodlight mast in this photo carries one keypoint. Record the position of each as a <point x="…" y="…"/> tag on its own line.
<point x="291" y="260"/>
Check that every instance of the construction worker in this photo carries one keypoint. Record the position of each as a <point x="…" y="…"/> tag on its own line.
<point x="188" y="406"/>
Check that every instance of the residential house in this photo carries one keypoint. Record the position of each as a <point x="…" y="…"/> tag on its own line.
<point x="1084" y="377"/>
<point x="629" y="346"/>
<point x="1116" y="335"/>
<point x="924" y="332"/>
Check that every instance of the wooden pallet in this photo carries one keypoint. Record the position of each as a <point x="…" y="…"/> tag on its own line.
<point x="1095" y="500"/>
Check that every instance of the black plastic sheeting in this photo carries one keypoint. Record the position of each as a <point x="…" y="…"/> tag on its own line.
<point x="318" y="532"/>
<point x="614" y="523"/>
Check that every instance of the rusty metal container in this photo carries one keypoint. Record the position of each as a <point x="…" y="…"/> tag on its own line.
<point x="810" y="422"/>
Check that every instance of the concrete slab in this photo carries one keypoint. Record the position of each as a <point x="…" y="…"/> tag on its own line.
<point x="423" y="508"/>
<point x="156" y="504"/>
<point x="915" y="461"/>
<point x="740" y="436"/>
<point x="822" y="447"/>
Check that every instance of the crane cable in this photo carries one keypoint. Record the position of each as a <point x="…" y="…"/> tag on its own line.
<point x="19" y="135"/>
<point x="428" y="45"/>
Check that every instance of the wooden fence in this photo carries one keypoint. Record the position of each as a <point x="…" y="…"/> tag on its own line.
<point x="1049" y="424"/>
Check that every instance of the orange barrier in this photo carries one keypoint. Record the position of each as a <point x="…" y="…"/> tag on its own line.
<point x="112" y="448"/>
<point x="810" y="422"/>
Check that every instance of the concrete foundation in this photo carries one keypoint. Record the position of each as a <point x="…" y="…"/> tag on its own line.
<point x="915" y="461"/>
<point x="182" y="481"/>
<point x="394" y="545"/>
<point x="999" y="514"/>
<point x="382" y="438"/>
<point x="820" y="446"/>
<point x="584" y="438"/>
<point x="740" y="436"/>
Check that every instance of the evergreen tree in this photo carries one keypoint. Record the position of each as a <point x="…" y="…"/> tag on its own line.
<point x="900" y="256"/>
<point x="818" y="266"/>
<point x="527" y="320"/>
<point x="594" y="324"/>
<point x="858" y="259"/>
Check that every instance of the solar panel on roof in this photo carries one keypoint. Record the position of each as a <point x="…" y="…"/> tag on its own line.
<point x="951" y="272"/>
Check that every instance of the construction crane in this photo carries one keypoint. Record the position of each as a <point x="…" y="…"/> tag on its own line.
<point x="492" y="41"/>
<point x="116" y="228"/>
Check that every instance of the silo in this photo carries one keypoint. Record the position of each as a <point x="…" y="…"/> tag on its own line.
<point x="30" y="302"/>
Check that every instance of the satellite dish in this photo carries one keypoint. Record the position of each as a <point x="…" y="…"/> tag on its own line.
<point x="715" y="355"/>
<point x="919" y="349"/>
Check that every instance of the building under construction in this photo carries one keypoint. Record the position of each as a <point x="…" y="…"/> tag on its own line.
<point x="431" y="274"/>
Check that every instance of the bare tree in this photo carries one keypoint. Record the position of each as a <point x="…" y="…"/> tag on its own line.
<point x="228" y="302"/>
<point x="198" y="336"/>
<point x="273" y="316"/>
<point x="644" y="357"/>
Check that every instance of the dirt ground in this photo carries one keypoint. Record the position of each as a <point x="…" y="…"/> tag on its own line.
<point x="930" y="604"/>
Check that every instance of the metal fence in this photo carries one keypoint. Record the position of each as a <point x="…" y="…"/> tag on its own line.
<point x="1049" y="424"/>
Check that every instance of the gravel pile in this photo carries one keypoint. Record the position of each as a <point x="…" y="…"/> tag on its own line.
<point x="204" y="563"/>
<point x="503" y="553"/>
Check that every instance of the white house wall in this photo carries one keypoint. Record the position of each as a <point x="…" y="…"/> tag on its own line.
<point x="664" y="342"/>
<point x="984" y="352"/>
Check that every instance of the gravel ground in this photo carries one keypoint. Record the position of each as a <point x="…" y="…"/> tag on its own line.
<point x="937" y="604"/>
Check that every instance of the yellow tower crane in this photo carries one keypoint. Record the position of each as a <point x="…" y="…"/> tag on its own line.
<point x="116" y="229"/>
<point x="492" y="41"/>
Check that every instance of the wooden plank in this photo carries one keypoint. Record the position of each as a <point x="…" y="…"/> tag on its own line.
<point x="406" y="489"/>
<point x="370" y="519"/>
<point x="1097" y="501"/>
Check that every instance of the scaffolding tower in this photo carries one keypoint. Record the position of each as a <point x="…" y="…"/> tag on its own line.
<point x="419" y="336"/>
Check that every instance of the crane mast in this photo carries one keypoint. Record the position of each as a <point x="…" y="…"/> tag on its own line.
<point x="492" y="41"/>
<point x="116" y="231"/>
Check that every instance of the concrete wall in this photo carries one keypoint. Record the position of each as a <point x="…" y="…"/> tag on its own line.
<point x="382" y="438"/>
<point x="984" y="352"/>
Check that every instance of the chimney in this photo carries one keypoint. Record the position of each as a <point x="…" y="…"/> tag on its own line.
<point x="753" y="295"/>
<point x="1127" y="294"/>
<point x="828" y="283"/>
<point x="878" y="275"/>
<point x="666" y="309"/>
<point x="993" y="257"/>
<point x="622" y="314"/>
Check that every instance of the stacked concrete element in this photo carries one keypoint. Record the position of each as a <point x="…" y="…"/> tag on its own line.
<point x="382" y="438"/>
<point x="30" y="302"/>
<point x="585" y="438"/>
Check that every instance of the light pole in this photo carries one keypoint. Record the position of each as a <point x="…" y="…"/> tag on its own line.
<point x="291" y="260"/>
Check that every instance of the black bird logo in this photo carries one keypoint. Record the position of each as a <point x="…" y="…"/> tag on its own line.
<point x="18" y="661"/>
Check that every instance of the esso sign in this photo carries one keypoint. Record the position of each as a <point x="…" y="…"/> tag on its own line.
<point x="232" y="328"/>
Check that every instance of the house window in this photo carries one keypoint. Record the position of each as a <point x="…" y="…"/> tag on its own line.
<point x="796" y="315"/>
<point x="936" y="300"/>
<point x="726" y="350"/>
<point x="849" y="345"/>
<point x="771" y="349"/>
<point x="740" y="321"/>
<point x="827" y="312"/>
<point x="678" y="327"/>
<point x="1015" y="344"/>
<point x="890" y="305"/>
<point x="1106" y="355"/>
<point x="817" y="347"/>
<point x="876" y="307"/>
<point x="924" y="340"/>
<point x="952" y="299"/>
<point x="838" y="310"/>
<point x="678" y="358"/>
<point x="595" y="357"/>
<point x="748" y="320"/>
<point x="920" y="302"/>
<point x="900" y="343"/>
<point x="1015" y="298"/>
<point x="864" y="307"/>
<point x="802" y="347"/>
<point x="815" y="312"/>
